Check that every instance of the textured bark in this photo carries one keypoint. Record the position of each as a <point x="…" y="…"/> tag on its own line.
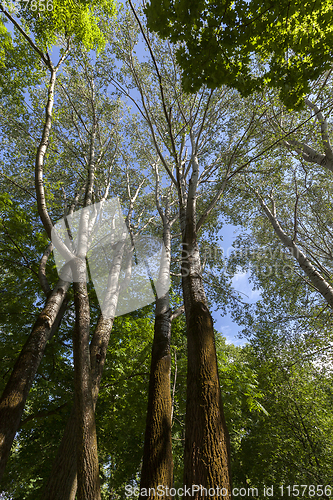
<point x="17" y="389"/>
<point x="62" y="483"/>
<point x="207" y="450"/>
<point x="88" y="487"/>
<point x="157" y="467"/>
<point x="207" y="453"/>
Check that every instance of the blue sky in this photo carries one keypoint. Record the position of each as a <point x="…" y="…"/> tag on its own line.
<point x="224" y="323"/>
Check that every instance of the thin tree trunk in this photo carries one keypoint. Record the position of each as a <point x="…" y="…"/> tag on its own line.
<point x="62" y="483"/>
<point x="157" y="467"/>
<point x="88" y="485"/>
<point x="18" y="386"/>
<point x="16" y="391"/>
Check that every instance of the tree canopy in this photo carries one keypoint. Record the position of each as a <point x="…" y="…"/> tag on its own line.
<point x="248" y="44"/>
<point x="118" y="123"/>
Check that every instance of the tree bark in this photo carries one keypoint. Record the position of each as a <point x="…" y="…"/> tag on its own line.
<point x="207" y="453"/>
<point x="18" y="386"/>
<point x="157" y="467"/>
<point x="207" y="450"/>
<point x="88" y="487"/>
<point x="62" y="483"/>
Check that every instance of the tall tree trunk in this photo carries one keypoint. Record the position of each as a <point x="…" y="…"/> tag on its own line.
<point x="16" y="391"/>
<point x="86" y="438"/>
<point x="207" y="455"/>
<point x="62" y="483"/>
<point x="157" y="467"/>
<point x="18" y="386"/>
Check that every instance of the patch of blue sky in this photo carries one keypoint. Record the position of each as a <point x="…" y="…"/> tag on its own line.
<point x="224" y="323"/>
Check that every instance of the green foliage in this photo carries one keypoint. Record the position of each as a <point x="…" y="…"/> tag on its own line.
<point x="20" y="245"/>
<point x="69" y="23"/>
<point x="120" y="411"/>
<point x="19" y="65"/>
<point x="277" y="390"/>
<point x="219" y="42"/>
<point x="80" y="20"/>
<point x="122" y="402"/>
<point x="293" y="443"/>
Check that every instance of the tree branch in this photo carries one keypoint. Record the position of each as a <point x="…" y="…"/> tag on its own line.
<point x="46" y="60"/>
<point x="41" y="270"/>
<point x="323" y="128"/>
<point x="323" y="287"/>
<point x="42" y="414"/>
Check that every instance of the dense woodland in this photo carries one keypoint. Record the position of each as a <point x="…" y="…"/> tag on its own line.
<point x="93" y="107"/>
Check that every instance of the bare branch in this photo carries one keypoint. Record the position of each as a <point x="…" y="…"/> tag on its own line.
<point x="295" y="210"/>
<point x="166" y="114"/>
<point x="17" y="185"/>
<point x="323" y="128"/>
<point x="74" y="108"/>
<point x="309" y="154"/>
<point x="317" y="280"/>
<point x="158" y="191"/>
<point x="41" y="270"/>
<point x="177" y="313"/>
<point x="42" y="414"/>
